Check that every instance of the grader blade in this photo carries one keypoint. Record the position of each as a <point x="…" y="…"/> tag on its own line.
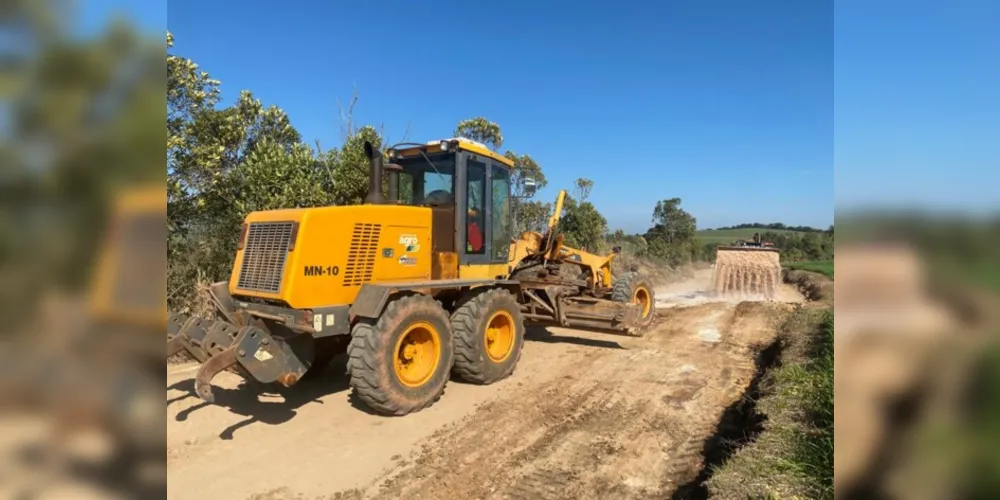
<point x="747" y="272"/>
<point x="587" y="312"/>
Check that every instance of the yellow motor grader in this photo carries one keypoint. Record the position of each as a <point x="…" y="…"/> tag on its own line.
<point x="416" y="285"/>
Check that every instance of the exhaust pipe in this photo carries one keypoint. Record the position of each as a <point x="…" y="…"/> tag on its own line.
<point x="375" y="177"/>
<point x="392" y="170"/>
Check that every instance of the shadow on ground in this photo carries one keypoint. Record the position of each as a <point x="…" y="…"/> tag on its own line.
<point x="544" y="334"/>
<point x="245" y="398"/>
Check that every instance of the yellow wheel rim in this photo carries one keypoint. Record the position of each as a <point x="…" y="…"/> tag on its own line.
<point x="499" y="336"/>
<point x="418" y="352"/>
<point x="642" y="297"/>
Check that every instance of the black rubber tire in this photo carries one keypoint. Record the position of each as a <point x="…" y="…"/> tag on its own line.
<point x="472" y="363"/>
<point x="372" y="354"/>
<point x="324" y="350"/>
<point x="624" y="289"/>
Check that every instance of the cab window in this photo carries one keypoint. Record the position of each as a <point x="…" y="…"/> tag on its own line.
<point x="475" y="227"/>
<point x="427" y="183"/>
<point x="501" y="213"/>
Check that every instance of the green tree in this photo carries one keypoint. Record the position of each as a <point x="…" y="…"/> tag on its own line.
<point x="812" y="247"/>
<point x="349" y="166"/>
<point x="481" y="130"/>
<point x="528" y="215"/>
<point x="525" y="167"/>
<point x="672" y="236"/>
<point x="531" y="216"/>
<point x="583" y="188"/>
<point x="582" y="224"/>
<point x="225" y="163"/>
<point x="82" y="119"/>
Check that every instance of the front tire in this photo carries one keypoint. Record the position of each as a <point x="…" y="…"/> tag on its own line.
<point x="489" y="337"/>
<point x="400" y="363"/>
<point x="632" y="288"/>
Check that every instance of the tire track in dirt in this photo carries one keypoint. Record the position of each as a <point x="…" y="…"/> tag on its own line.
<point x="625" y="423"/>
<point x="585" y="415"/>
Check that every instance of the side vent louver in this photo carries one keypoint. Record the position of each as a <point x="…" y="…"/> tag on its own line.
<point x="362" y="254"/>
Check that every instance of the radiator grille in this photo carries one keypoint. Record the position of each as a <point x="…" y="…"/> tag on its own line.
<point x="361" y="256"/>
<point x="264" y="256"/>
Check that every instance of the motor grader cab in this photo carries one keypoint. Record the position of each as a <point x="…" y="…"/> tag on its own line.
<point x="415" y="284"/>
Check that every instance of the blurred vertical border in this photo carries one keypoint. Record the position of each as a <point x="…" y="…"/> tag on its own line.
<point x="82" y="247"/>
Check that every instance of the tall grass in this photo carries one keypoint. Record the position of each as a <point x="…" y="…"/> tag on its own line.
<point x="809" y="386"/>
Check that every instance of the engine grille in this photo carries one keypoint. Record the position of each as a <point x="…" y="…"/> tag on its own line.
<point x="361" y="256"/>
<point x="264" y="256"/>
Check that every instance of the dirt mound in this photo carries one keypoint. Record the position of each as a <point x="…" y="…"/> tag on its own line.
<point x="814" y="286"/>
<point x="747" y="273"/>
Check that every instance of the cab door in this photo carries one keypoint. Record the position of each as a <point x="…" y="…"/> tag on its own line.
<point x="501" y="218"/>
<point x="483" y="219"/>
<point x="473" y="206"/>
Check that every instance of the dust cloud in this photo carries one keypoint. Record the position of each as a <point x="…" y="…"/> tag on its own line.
<point x="747" y="274"/>
<point x="700" y="289"/>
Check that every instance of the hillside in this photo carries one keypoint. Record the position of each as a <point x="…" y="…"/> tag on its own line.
<point x="723" y="236"/>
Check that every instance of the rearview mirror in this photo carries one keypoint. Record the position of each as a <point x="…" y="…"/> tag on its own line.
<point x="529" y="186"/>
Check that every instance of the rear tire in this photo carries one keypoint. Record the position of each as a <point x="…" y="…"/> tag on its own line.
<point x="400" y="363"/>
<point x="489" y="337"/>
<point x="633" y="288"/>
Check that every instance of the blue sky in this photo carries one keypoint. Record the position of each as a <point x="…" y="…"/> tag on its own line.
<point x="749" y="111"/>
<point x="918" y="104"/>
<point x="729" y="108"/>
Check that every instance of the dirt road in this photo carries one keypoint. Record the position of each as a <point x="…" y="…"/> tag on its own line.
<point x="586" y="415"/>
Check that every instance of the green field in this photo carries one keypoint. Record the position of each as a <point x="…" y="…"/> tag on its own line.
<point x="726" y="236"/>
<point x="816" y="266"/>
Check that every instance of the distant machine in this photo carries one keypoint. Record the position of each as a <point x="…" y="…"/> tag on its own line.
<point x="748" y="269"/>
